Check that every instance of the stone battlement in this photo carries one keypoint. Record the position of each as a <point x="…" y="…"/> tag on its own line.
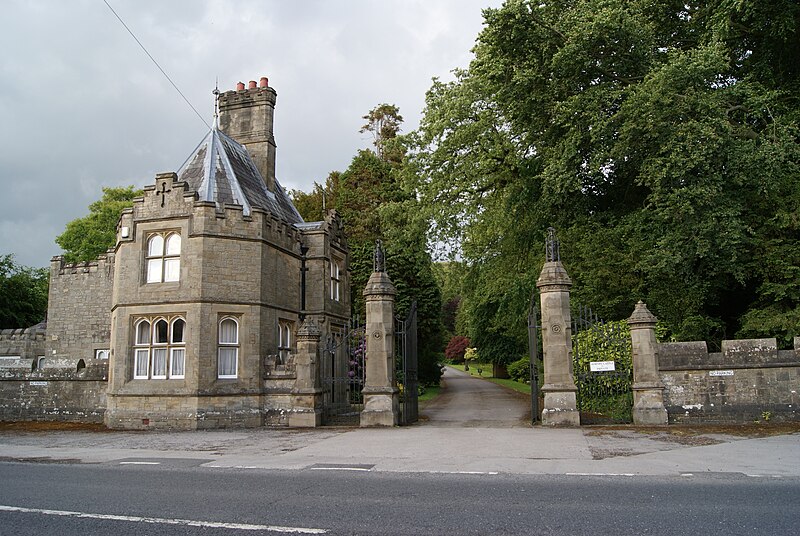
<point x="742" y="353"/>
<point x="103" y="265"/>
<point x="35" y="333"/>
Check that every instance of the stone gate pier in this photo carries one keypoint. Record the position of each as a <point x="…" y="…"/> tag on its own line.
<point x="560" y="402"/>
<point x="381" y="395"/>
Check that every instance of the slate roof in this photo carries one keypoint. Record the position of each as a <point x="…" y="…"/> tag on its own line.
<point x="221" y="170"/>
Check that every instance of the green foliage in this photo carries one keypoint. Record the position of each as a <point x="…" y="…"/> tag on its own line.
<point x="86" y="238"/>
<point x="450" y="278"/>
<point x="23" y="294"/>
<point x="604" y="393"/>
<point x="313" y="206"/>
<point x="520" y="370"/>
<point x="384" y="122"/>
<point x="659" y="138"/>
<point x="602" y="342"/>
<point x="371" y="197"/>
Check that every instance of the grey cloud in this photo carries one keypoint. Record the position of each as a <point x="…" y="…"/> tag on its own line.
<point x="83" y="107"/>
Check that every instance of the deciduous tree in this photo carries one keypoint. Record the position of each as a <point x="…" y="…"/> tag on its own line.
<point x="659" y="138"/>
<point x="23" y="294"/>
<point x="87" y="237"/>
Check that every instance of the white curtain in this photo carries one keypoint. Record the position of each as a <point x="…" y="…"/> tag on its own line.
<point x="227" y="362"/>
<point x="177" y="362"/>
<point x="141" y="362"/>
<point x="174" y="245"/>
<point x="143" y="333"/>
<point x="159" y="362"/>
<point x="155" y="246"/>
<point x="228" y="332"/>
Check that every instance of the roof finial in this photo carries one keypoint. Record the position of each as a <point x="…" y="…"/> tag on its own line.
<point x="216" y="103"/>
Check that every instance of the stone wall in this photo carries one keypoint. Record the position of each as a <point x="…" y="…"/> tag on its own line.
<point x="79" y="308"/>
<point x="22" y="343"/>
<point x="63" y="390"/>
<point x="56" y="378"/>
<point x="749" y="380"/>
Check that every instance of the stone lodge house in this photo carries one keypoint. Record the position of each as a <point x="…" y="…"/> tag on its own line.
<point x="190" y="320"/>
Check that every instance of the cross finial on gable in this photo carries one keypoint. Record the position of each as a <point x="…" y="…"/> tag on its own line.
<point x="163" y="192"/>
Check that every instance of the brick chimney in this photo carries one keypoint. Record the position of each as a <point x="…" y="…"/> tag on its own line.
<point x="246" y="115"/>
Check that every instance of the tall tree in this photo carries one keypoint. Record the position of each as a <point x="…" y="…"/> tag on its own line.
<point x="660" y="138"/>
<point x="23" y="294"/>
<point x="87" y="237"/>
<point x="383" y="122"/>
<point x="313" y="205"/>
<point x="372" y="199"/>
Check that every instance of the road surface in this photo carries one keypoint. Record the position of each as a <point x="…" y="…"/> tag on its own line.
<point x="179" y="497"/>
<point x="468" y="401"/>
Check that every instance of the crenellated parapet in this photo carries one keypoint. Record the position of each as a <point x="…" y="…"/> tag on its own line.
<point x="747" y="380"/>
<point x="167" y="198"/>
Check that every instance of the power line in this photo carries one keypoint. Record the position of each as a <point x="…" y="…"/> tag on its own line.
<point x="157" y="65"/>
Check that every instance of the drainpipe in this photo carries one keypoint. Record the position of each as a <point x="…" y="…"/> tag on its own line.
<point x="303" y="270"/>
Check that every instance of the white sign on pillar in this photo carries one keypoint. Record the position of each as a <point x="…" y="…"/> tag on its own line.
<point x="601" y="366"/>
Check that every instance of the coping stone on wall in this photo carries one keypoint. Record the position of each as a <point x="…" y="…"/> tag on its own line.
<point x="682" y="355"/>
<point x="750" y="351"/>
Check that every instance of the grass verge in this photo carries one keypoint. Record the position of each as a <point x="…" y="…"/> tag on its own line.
<point x="430" y="393"/>
<point x="486" y="370"/>
<point x="486" y="373"/>
<point x="511" y="384"/>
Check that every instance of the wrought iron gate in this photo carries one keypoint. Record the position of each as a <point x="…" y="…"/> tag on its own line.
<point x="407" y="360"/>
<point x="601" y="358"/>
<point x="342" y="373"/>
<point x="534" y="351"/>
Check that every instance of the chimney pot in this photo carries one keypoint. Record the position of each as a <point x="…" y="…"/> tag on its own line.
<point x="251" y="85"/>
<point x="264" y="82"/>
<point x="240" y="86"/>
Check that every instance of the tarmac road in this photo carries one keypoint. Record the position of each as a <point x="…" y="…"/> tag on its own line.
<point x="181" y="497"/>
<point x="468" y="401"/>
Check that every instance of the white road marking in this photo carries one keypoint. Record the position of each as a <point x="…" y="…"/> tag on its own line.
<point x="340" y="469"/>
<point x="464" y="472"/>
<point x="140" y="463"/>
<point x="599" y="474"/>
<point x="687" y="474"/>
<point x="234" y="466"/>
<point x="156" y="520"/>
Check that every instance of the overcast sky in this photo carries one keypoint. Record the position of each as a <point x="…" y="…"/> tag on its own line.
<point x="83" y="107"/>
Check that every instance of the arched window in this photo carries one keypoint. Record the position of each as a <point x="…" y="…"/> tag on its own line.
<point x="228" y="357"/>
<point x="141" y="353"/>
<point x="160" y="339"/>
<point x="159" y="348"/>
<point x="284" y="341"/>
<point x="163" y="263"/>
<point x="177" y="360"/>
